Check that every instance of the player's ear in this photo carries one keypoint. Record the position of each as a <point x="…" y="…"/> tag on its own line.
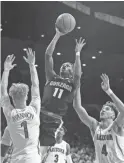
<point x="113" y="116"/>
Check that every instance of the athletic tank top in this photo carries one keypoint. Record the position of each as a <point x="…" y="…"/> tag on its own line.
<point x="58" y="93"/>
<point x="109" y="147"/>
<point x="24" y="131"/>
<point x="57" y="153"/>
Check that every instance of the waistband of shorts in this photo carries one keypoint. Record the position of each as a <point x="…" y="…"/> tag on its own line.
<point x="51" y="114"/>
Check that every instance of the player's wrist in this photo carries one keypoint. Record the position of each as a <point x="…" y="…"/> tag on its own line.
<point x="109" y="92"/>
<point x="32" y="65"/>
<point x="6" y="69"/>
<point x="77" y="53"/>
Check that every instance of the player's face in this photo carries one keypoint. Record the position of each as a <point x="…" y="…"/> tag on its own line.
<point x="66" y="70"/>
<point x="60" y="134"/>
<point x="106" y="112"/>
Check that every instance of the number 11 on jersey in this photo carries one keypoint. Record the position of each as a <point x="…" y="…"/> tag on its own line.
<point x="58" y="92"/>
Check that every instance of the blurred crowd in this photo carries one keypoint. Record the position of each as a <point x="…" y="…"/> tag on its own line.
<point x="84" y="154"/>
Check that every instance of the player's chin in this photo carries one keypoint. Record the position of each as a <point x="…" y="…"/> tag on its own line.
<point x="102" y="116"/>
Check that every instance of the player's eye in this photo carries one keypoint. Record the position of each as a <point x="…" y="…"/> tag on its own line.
<point x="107" y="108"/>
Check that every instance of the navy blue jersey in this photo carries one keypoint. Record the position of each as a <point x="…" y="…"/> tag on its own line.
<point x="57" y="94"/>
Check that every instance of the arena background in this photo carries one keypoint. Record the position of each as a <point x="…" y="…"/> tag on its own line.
<point x="31" y="24"/>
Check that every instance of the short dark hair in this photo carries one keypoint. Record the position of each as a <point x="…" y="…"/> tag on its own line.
<point x="65" y="130"/>
<point x="113" y="107"/>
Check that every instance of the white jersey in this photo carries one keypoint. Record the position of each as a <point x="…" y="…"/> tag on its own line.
<point x="24" y="131"/>
<point x="6" y="139"/>
<point x="57" y="153"/>
<point x="109" y="147"/>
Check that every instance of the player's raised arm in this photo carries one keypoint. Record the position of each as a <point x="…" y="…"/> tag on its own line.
<point x="35" y="92"/>
<point x="119" y="104"/>
<point x="49" y="65"/>
<point x="8" y="65"/>
<point x="83" y="115"/>
<point x="77" y="65"/>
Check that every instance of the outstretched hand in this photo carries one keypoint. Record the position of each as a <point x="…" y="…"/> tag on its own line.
<point x="105" y="82"/>
<point x="8" y="64"/>
<point x="30" y="56"/>
<point x="59" y="33"/>
<point x="79" y="44"/>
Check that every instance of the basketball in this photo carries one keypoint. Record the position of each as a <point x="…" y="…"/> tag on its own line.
<point x="65" y="23"/>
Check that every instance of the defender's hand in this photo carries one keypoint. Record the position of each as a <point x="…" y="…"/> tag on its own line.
<point x="105" y="82"/>
<point x="30" y="56"/>
<point x="8" y="64"/>
<point x="79" y="44"/>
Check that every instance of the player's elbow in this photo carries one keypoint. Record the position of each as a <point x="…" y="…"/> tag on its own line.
<point x="35" y="84"/>
<point x="3" y="91"/>
<point x="47" y="54"/>
<point x="77" y="76"/>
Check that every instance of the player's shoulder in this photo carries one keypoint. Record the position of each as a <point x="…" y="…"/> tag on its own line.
<point x="95" y="126"/>
<point x="67" y="148"/>
<point x="65" y="143"/>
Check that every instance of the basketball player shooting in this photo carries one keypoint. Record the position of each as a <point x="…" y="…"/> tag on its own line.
<point x="108" y="135"/>
<point x="22" y="119"/>
<point x="58" y="91"/>
<point x="60" y="152"/>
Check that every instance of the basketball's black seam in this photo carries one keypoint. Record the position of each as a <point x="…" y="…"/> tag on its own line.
<point x="70" y="24"/>
<point x="64" y="25"/>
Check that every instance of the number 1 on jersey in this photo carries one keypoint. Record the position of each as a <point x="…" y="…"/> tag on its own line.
<point x="58" y="92"/>
<point x="24" y="124"/>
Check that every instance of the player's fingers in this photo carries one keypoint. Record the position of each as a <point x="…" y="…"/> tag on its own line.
<point x="102" y="77"/>
<point x="27" y="52"/>
<point x="7" y="58"/>
<point x="83" y="41"/>
<point x="13" y="59"/>
<point x="10" y="57"/>
<point x="107" y="77"/>
<point x="80" y="40"/>
<point x="76" y="41"/>
<point x="31" y="52"/>
<point x="25" y="58"/>
<point x="14" y="65"/>
<point x="102" y="84"/>
<point x="34" y="53"/>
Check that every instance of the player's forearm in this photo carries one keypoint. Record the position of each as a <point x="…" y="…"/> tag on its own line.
<point x="51" y="47"/>
<point x="119" y="104"/>
<point x="77" y="66"/>
<point x="4" y="82"/>
<point x="77" y="99"/>
<point x="34" y="75"/>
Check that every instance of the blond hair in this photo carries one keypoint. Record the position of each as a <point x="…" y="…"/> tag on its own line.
<point x="18" y="91"/>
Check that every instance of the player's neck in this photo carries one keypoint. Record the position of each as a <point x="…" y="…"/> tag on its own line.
<point x="64" y="76"/>
<point x="20" y="105"/>
<point x="105" y="123"/>
<point x="59" y="141"/>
